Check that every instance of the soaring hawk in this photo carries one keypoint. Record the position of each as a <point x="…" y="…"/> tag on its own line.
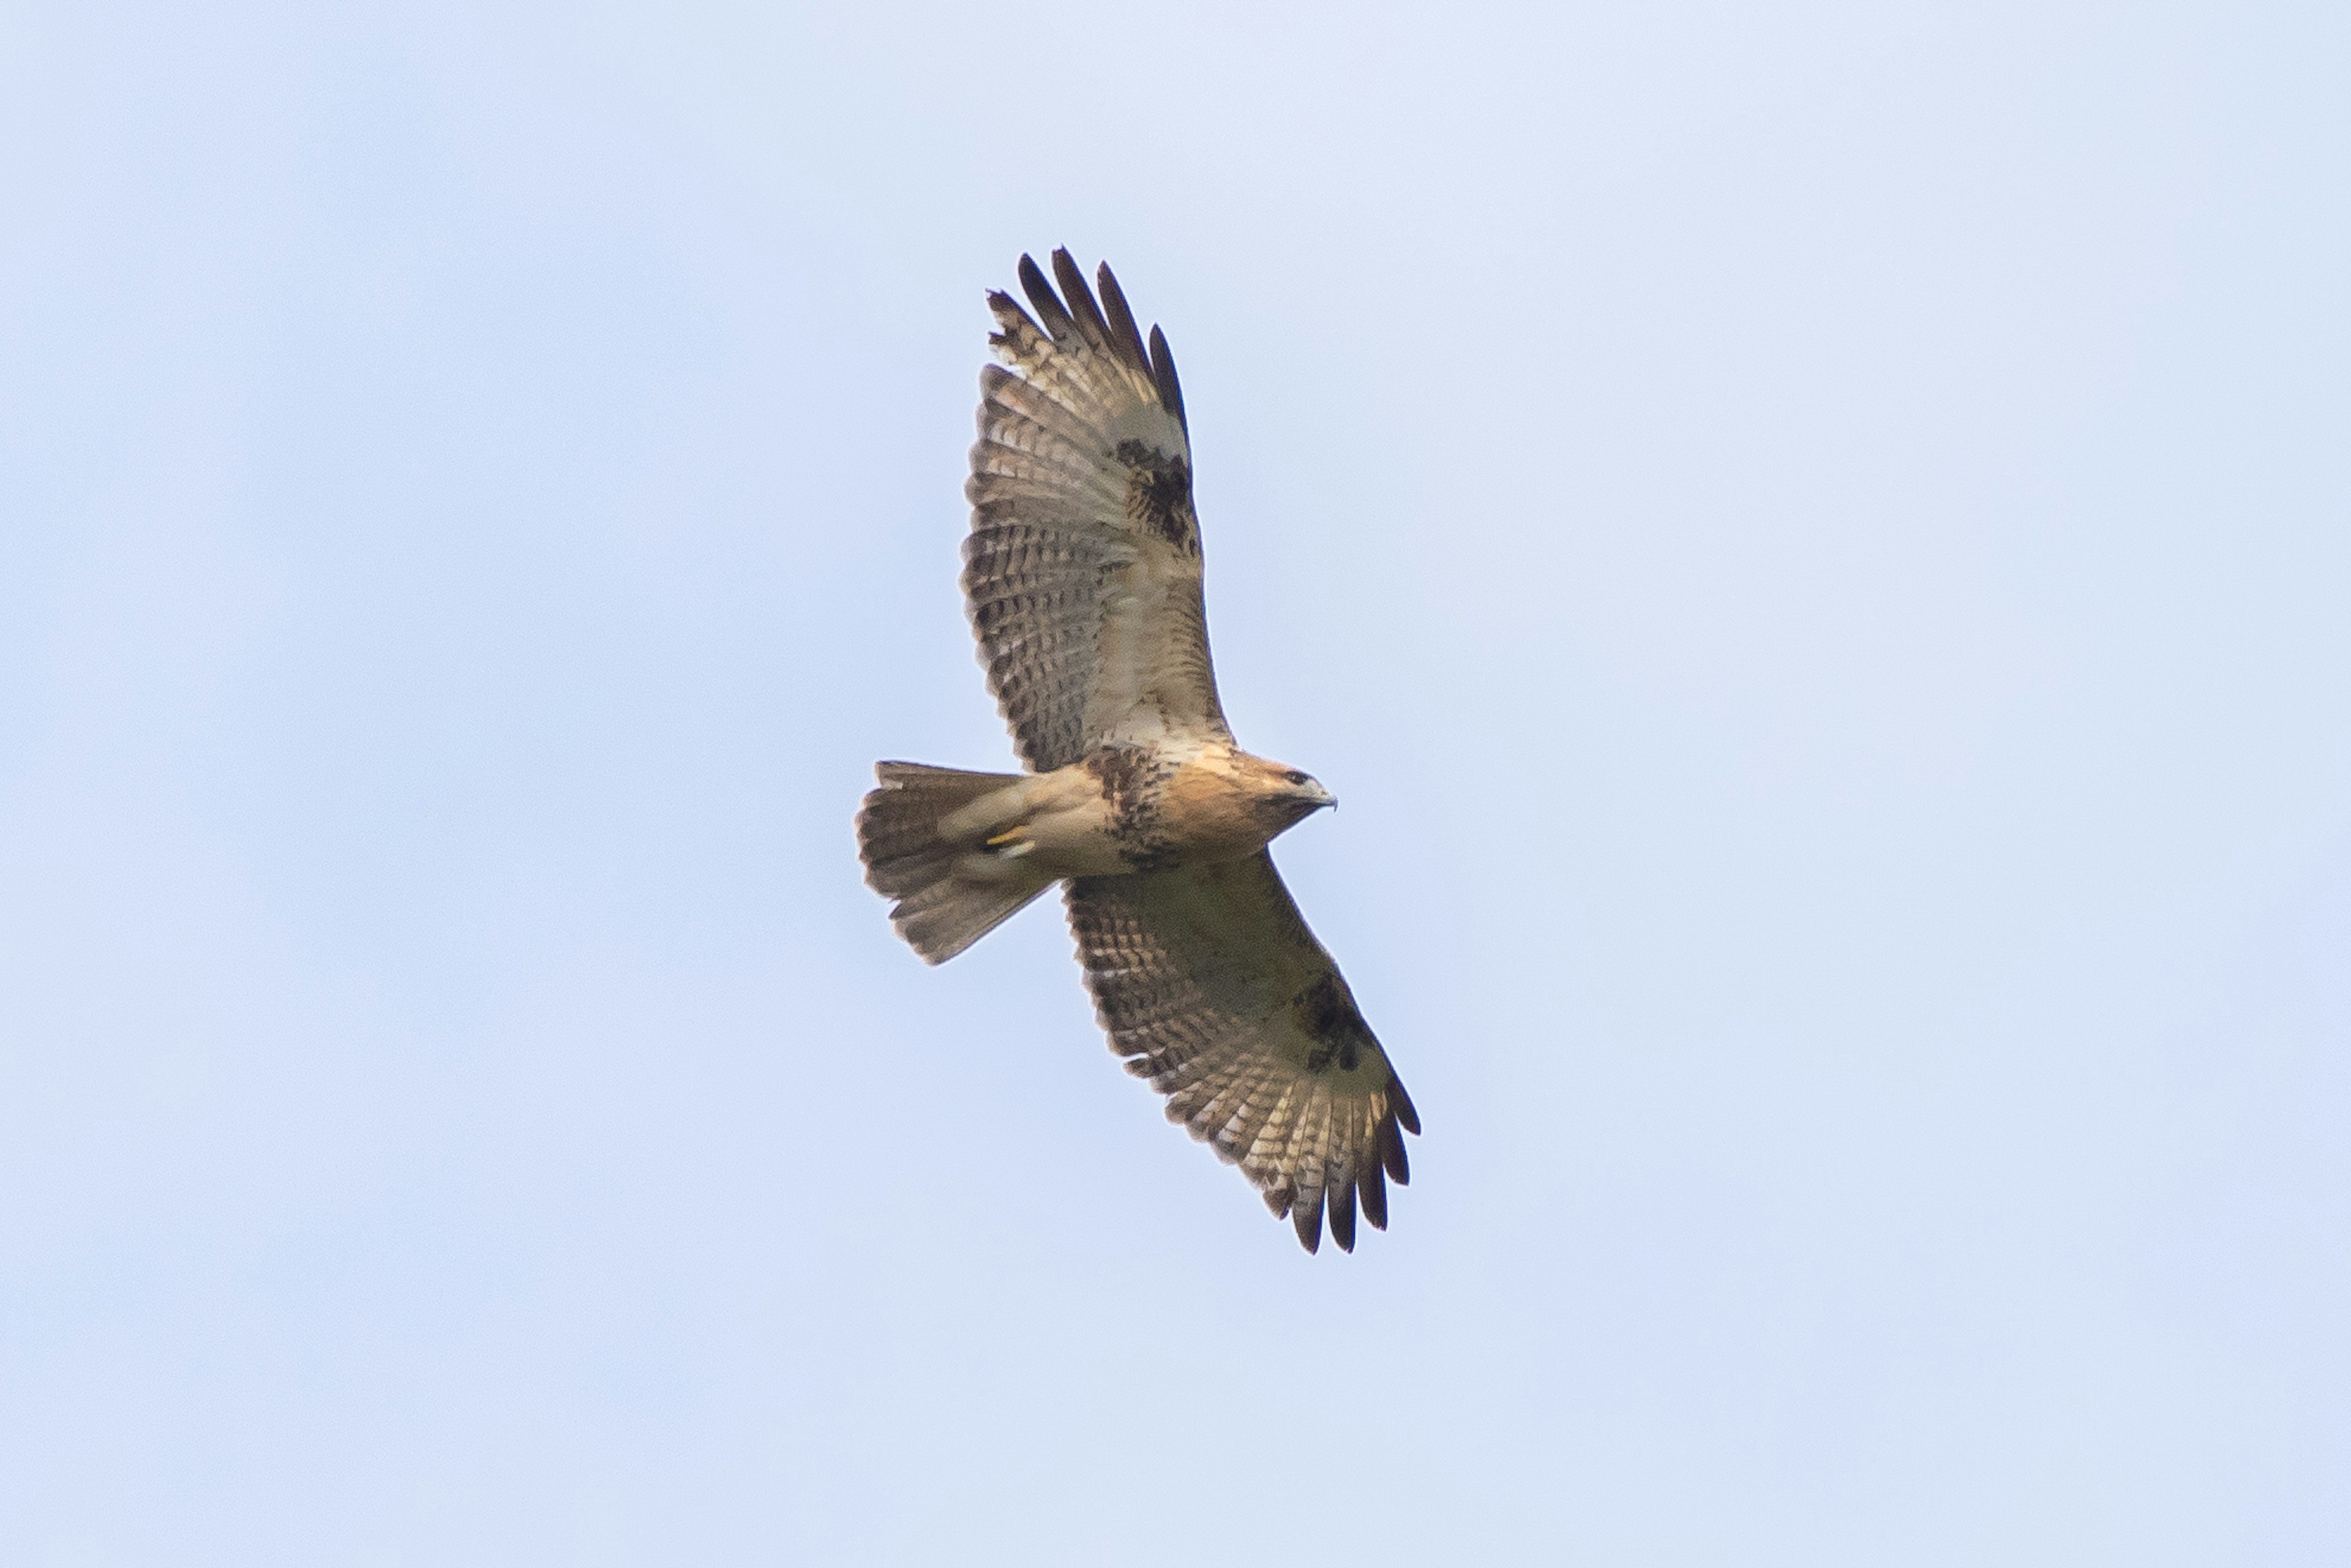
<point x="1081" y="574"/>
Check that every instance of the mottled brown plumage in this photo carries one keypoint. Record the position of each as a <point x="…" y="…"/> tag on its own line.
<point x="1083" y="577"/>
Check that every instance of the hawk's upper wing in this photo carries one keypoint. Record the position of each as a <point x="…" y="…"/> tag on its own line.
<point x="1083" y="571"/>
<point x="1213" y="989"/>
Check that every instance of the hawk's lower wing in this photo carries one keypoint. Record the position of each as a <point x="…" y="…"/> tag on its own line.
<point x="1212" y="987"/>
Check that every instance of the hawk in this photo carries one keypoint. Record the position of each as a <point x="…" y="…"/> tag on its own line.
<point x="1081" y="575"/>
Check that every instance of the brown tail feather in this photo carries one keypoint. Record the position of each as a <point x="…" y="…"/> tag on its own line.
<point x="940" y="909"/>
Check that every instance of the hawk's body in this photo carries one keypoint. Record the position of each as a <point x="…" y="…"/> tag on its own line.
<point x="1083" y="577"/>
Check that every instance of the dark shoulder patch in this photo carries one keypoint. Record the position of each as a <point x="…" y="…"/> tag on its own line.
<point x="1159" y="495"/>
<point x="1125" y="774"/>
<point x="1132" y="777"/>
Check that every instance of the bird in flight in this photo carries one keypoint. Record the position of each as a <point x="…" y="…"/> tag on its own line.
<point x="1082" y="579"/>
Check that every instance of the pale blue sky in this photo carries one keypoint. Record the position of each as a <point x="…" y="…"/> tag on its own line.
<point x="1813" y="540"/>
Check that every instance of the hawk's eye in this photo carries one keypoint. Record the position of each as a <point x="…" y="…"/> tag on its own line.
<point x="1295" y="776"/>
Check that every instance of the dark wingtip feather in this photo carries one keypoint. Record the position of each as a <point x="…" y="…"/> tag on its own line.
<point x="1001" y="304"/>
<point x="1401" y="1104"/>
<point x="1040" y="293"/>
<point x="1343" y="1217"/>
<point x="1392" y="1154"/>
<point x="1125" y="337"/>
<point x="1308" y="1221"/>
<point x="1089" y="315"/>
<point x="1374" y="1189"/>
<point x="1163" y="372"/>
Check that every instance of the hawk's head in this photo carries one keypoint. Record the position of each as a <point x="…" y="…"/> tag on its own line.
<point x="1282" y="795"/>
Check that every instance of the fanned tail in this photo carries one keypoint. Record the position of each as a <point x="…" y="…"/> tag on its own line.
<point x="947" y="896"/>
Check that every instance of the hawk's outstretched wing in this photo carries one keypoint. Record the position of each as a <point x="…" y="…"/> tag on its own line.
<point x="1213" y="989"/>
<point x="1083" y="571"/>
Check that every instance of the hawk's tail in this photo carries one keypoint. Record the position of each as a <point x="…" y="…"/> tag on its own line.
<point x="949" y="892"/>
